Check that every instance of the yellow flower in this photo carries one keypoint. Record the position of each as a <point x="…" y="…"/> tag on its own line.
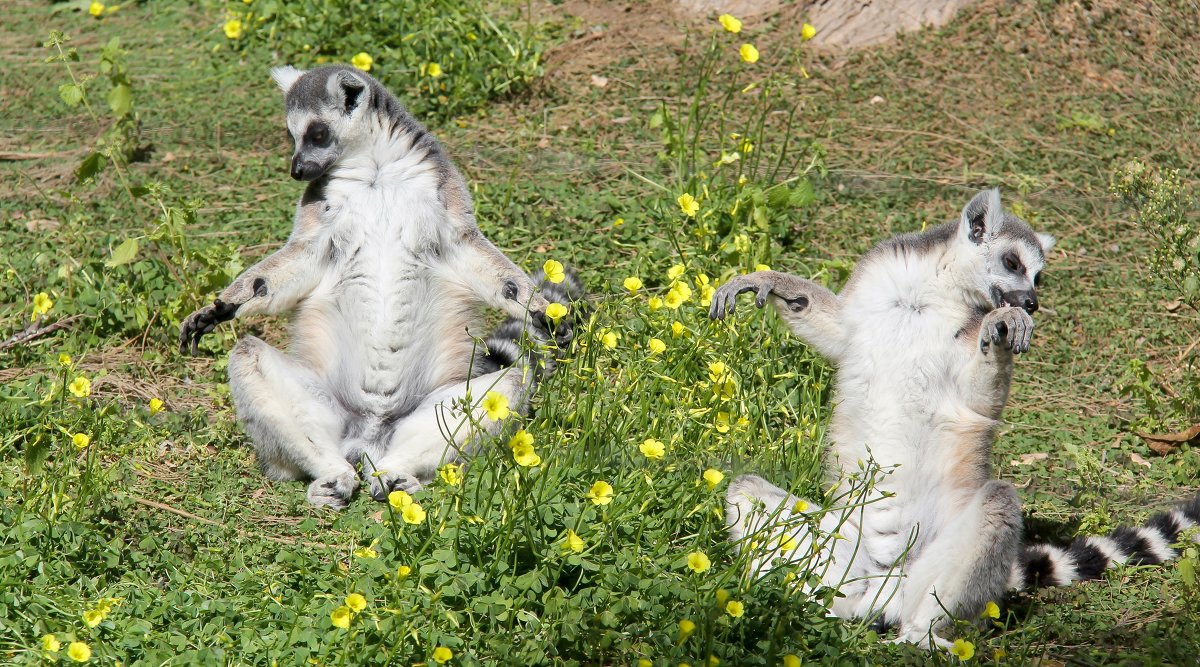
<point x="556" y="311"/>
<point x="573" y="542"/>
<point x="698" y="562"/>
<point x="442" y="655"/>
<point x="992" y="610"/>
<point x="403" y="571"/>
<point x="722" y="597"/>
<point x="96" y="8"/>
<point x="81" y="440"/>
<point x="609" y="339"/>
<point x="93" y="617"/>
<point x="677" y="329"/>
<point x="725" y="389"/>
<point x="525" y="456"/>
<point x="791" y="660"/>
<point x="233" y="28"/>
<point x="674" y="300"/>
<point x="807" y="32"/>
<point x="356" y="602"/>
<point x="340" y="617"/>
<point x="706" y="295"/>
<point x="50" y="644"/>
<point x="762" y="267"/>
<point x="601" y="493"/>
<point x="730" y="24"/>
<point x="963" y="649"/>
<point x="748" y="53"/>
<point x="399" y="499"/>
<point x="79" y="652"/>
<point x="654" y="303"/>
<point x="722" y="422"/>
<point x="156" y="406"/>
<point x="682" y="291"/>
<point x="451" y="474"/>
<point x="366" y="552"/>
<point x="554" y="271"/>
<point x="81" y="387"/>
<point x="435" y="70"/>
<point x="657" y="346"/>
<point x="800" y="506"/>
<point x="362" y="61"/>
<point x="787" y="543"/>
<point x="688" y="204"/>
<point x="652" y="449"/>
<point x="717" y="371"/>
<point x="713" y="477"/>
<point x="633" y="283"/>
<point x="521" y="439"/>
<point x="413" y="514"/>
<point x="735" y="609"/>
<point x="42" y="303"/>
<point x="643" y="662"/>
<point x="686" y="628"/>
<point x="676" y="271"/>
<point x="64" y="360"/>
<point x="496" y="404"/>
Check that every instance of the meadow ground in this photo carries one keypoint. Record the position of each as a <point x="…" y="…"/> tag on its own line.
<point x="158" y="540"/>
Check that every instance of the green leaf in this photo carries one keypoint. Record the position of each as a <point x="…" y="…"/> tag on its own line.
<point x="120" y="99"/>
<point x="802" y="194"/>
<point x="124" y="253"/>
<point x="91" y="165"/>
<point x="1187" y="571"/>
<point x="71" y="94"/>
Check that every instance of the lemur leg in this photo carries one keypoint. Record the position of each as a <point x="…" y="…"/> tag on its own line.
<point x="440" y="429"/>
<point x="781" y="530"/>
<point x="810" y="311"/>
<point x="295" y="424"/>
<point x="964" y="567"/>
<point x="1003" y="333"/>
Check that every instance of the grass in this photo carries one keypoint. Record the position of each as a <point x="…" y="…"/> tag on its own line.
<point x="213" y="564"/>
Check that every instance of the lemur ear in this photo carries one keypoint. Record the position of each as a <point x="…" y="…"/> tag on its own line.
<point x="1047" y="242"/>
<point x="350" y="87"/>
<point x="286" y="77"/>
<point x="982" y="215"/>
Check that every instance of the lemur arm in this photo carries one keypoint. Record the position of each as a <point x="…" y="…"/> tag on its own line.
<point x="497" y="281"/>
<point x="810" y="311"/>
<point x="1003" y="333"/>
<point x="274" y="285"/>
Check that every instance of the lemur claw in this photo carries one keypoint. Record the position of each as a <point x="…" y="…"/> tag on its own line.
<point x="202" y="322"/>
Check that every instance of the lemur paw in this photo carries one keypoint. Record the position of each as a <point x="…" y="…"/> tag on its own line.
<point x="762" y="283"/>
<point x="385" y="482"/>
<point x="562" y="331"/>
<point x="201" y="322"/>
<point x="333" y="490"/>
<point x="1010" y="328"/>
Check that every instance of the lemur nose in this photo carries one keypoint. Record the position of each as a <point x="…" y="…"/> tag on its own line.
<point x="297" y="169"/>
<point x="1030" y="305"/>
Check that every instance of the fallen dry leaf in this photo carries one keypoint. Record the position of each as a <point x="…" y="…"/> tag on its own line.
<point x="1165" y="443"/>
<point x="1027" y="459"/>
<point x="599" y="81"/>
<point x="1137" y="458"/>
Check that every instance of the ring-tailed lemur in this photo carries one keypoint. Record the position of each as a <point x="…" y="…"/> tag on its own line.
<point x="923" y="337"/>
<point x="384" y="275"/>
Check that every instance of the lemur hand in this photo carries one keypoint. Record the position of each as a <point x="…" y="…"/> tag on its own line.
<point x="201" y="322"/>
<point x="1010" y="328"/>
<point x="562" y="331"/>
<point x="763" y="283"/>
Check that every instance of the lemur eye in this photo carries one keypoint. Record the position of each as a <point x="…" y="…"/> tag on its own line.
<point x="1012" y="263"/>
<point x="317" y="134"/>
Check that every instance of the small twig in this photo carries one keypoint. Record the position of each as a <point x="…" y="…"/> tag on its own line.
<point x="33" y="331"/>
<point x="195" y="517"/>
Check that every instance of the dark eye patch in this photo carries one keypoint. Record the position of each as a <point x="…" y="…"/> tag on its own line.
<point x="1037" y="279"/>
<point x="317" y="135"/>
<point x="1012" y="263"/>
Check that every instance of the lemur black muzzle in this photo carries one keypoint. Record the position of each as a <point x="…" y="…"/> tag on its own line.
<point x="305" y="171"/>
<point x="1026" y="299"/>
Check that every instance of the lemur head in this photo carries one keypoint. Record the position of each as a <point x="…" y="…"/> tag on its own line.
<point x="1002" y="257"/>
<point x="326" y="112"/>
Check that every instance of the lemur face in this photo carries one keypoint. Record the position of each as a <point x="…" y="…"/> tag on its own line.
<point x="1005" y="254"/>
<point x="326" y="108"/>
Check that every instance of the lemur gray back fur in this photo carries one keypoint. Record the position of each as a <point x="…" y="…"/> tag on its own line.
<point x="923" y="336"/>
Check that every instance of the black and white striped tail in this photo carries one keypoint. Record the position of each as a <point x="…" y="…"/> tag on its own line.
<point x="1088" y="557"/>
<point x="505" y="346"/>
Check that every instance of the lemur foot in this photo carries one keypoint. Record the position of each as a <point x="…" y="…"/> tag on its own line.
<point x="201" y="322"/>
<point x="926" y="640"/>
<point x="1010" y="327"/>
<point x="333" y="490"/>
<point x="763" y="283"/>
<point x="385" y="482"/>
